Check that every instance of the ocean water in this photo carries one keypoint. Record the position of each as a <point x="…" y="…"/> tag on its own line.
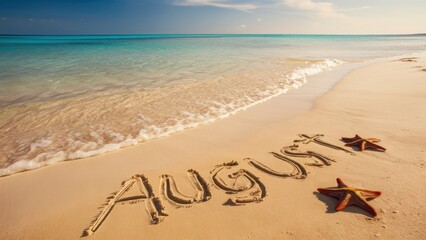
<point x="69" y="97"/>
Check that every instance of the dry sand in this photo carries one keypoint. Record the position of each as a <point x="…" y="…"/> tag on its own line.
<point x="383" y="100"/>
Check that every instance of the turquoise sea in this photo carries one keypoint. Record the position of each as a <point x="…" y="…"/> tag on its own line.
<point x="69" y="97"/>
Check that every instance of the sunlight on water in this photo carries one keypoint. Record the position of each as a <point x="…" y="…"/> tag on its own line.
<point x="71" y="97"/>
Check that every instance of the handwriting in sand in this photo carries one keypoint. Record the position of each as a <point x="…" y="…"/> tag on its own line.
<point x="242" y="185"/>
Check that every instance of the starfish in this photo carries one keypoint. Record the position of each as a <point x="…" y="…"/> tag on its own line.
<point x="363" y="143"/>
<point x="351" y="196"/>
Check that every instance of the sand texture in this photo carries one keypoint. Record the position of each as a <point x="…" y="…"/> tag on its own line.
<point x="251" y="176"/>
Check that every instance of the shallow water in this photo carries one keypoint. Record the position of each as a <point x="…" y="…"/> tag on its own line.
<point x="68" y="97"/>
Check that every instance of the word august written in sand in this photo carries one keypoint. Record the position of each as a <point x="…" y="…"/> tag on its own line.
<point x="243" y="185"/>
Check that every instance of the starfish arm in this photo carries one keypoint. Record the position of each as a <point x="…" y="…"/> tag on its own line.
<point x="374" y="140"/>
<point x="352" y="143"/>
<point x="340" y="183"/>
<point x="332" y="192"/>
<point x="367" y="194"/>
<point x="362" y="147"/>
<point x="348" y="140"/>
<point x="344" y="202"/>
<point x="367" y="207"/>
<point x="374" y="146"/>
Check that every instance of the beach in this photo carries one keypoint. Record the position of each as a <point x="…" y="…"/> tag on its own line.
<point x="71" y="97"/>
<point x="383" y="100"/>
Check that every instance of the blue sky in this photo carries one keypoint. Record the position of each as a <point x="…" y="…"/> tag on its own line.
<point x="211" y="16"/>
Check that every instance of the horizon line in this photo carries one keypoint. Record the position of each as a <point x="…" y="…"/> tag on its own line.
<point x="229" y="34"/>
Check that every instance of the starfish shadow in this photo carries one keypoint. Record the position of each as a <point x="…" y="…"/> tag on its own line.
<point x="331" y="203"/>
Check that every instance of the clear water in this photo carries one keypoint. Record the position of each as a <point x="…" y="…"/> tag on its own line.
<point x="68" y="97"/>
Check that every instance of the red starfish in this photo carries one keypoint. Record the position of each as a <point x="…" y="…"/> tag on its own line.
<point x="363" y="143"/>
<point x="351" y="196"/>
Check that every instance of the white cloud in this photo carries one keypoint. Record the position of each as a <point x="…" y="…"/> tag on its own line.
<point x="325" y="9"/>
<point x="243" y="26"/>
<point x="217" y="3"/>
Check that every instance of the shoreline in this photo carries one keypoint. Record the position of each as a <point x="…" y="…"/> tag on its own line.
<point x="59" y="201"/>
<point x="294" y="79"/>
<point x="298" y="76"/>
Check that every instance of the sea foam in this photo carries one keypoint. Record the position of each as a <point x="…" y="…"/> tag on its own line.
<point x="216" y="110"/>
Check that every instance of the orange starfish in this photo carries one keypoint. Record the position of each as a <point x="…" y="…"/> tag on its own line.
<point x="351" y="196"/>
<point x="363" y="143"/>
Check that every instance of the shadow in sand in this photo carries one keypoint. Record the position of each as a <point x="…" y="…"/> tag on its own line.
<point x="331" y="203"/>
<point x="229" y="202"/>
